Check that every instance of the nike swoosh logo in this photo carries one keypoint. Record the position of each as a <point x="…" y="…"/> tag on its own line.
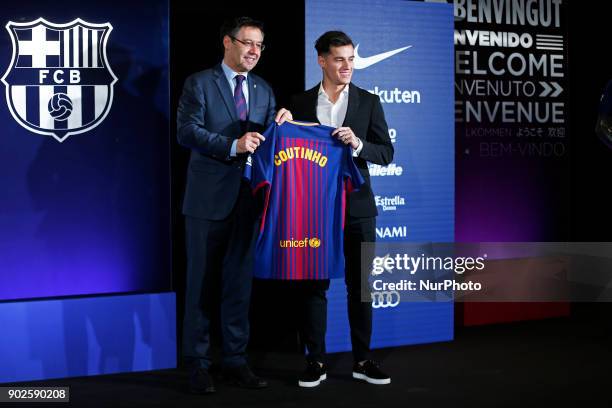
<point x="364" y="62"/>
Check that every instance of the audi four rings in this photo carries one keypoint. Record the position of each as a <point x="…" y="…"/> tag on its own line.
<point x="385" y="299"/>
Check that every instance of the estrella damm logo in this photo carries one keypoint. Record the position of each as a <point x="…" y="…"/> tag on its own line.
<point x="59" y="82"/>
<point x="300" y="243"/>
<point x="299" y="152"/>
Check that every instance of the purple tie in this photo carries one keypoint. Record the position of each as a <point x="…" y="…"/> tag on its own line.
<point x="239" y="100"/>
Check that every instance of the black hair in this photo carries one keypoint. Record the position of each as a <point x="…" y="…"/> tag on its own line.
<point x="331" y="39"/>
<point x="231" y="26"/>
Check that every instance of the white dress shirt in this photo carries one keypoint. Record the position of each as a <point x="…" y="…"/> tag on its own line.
<point x="333" y="114"/>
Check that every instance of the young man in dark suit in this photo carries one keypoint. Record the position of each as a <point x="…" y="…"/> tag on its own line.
<point x="219" y="117"/>
<point x="360" y="123"/>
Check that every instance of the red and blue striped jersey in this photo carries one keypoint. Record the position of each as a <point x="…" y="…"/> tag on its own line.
<point x="307" y="174"/>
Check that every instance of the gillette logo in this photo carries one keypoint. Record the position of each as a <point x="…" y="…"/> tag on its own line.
<point x="376" y="170"/>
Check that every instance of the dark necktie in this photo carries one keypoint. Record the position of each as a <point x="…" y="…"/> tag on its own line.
<point x="239" y="99"/>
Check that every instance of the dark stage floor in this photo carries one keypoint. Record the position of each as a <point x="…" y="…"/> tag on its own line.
<point x="556" y="362"/>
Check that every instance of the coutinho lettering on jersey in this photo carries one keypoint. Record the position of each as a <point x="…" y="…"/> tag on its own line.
<point x="306" y="174"/>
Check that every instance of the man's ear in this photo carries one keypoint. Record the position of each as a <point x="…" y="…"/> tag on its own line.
<point x="321" y="61"/>
<point x="226" y="41"/>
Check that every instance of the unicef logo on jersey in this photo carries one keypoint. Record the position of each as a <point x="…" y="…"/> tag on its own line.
<point x="300" y="243"/>
<point x="59" y="82"/>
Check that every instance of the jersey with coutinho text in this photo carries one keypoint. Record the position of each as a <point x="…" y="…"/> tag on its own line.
<point x="306" y="174"/>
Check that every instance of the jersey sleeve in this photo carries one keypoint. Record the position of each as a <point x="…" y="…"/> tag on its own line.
<point x="352" y="177"/>
<point x="259" y="168"/>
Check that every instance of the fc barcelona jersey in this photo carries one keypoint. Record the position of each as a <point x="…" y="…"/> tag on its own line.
<point x="307" y="174"/>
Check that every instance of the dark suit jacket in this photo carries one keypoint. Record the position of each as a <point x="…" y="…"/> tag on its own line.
<point x="207" y="124"/>
<point x="366" y="118"/>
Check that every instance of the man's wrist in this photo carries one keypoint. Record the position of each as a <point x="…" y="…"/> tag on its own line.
<point x="234" y="148"/>
<point x="357" y="150"/>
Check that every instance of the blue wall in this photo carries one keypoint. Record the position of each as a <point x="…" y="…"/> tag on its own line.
<point x="97" y="335"/>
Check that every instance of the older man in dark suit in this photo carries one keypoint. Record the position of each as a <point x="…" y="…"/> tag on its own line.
<point x="360" y="123"/>
<point x="219" y="117"/>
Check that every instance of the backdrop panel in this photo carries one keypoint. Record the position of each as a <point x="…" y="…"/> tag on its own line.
<point x="84" y="148"/>
<point x="415" y="194"/>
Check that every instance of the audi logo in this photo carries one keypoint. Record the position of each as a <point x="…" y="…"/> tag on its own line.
<point x="385" y="299"/>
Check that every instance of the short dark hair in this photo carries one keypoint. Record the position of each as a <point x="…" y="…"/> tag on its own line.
<point x="332" y="39"/>
<point x="231" y="26"/>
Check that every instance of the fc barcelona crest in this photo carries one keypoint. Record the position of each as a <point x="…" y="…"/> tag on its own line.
<point x="59" y="82"/>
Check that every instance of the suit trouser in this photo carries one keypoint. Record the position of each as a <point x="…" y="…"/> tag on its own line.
<point x="219" y="265"/>
<point x="312" y="305"/>
<point x="312" y="294"/>
<point x="357" y="231"/>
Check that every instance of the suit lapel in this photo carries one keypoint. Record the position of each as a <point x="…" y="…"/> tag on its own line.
<point x="226" y="92"/>
<point x="353" y="105"/>
<point x="313" y="96"/>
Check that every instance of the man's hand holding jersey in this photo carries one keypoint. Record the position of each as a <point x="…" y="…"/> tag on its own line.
<point x="283" y="115"/>
<point x="346" y="136"/>
<point x="249" y="142"/>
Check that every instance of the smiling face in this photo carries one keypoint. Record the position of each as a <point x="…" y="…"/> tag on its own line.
<point x="241" y="57"/>
<point x="337" y="65"/>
